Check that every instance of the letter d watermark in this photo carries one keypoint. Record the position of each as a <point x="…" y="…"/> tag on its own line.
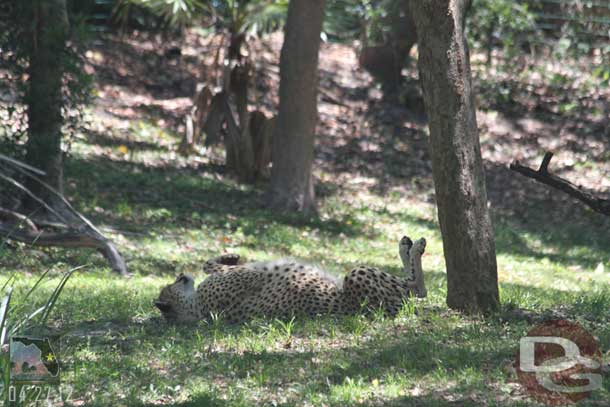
<point x="559" y="363"/>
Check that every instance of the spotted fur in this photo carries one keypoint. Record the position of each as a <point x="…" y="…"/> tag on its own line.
<point x="286" y="287"/>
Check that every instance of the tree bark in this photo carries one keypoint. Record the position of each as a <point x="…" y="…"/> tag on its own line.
<point x="291" y="187"/>
<point x="459" y="180"/>
<point x="49" y="32"/>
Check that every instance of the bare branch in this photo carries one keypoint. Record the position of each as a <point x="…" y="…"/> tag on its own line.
<point x="544" y="167"/>
<point x="78" y="230"/>
<point x="70" y="240"/>
<point x="65" y="202"/>
<point x="543" y="176"/>
<point x="32" y="195"/>
<point x="18" y="218"/>
<point x="21" y="165"/>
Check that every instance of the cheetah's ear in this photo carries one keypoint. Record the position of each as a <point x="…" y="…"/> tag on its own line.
<point x="163" y="306"/>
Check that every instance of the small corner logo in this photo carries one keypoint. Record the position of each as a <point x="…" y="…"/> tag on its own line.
<point x="33" y="361"/>
<point x="559" y="363"/>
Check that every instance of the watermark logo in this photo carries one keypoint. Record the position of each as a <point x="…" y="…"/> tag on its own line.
<point x="559" y="363"/>
<point x="30" y="372"/>
<point x="33" y="361"/>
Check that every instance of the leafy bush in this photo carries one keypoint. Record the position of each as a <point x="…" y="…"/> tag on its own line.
<point x="238" y="17"/>
<point x="365" y="20"/>
<point x="507" y="23"/>
<point x="559" y="28"/>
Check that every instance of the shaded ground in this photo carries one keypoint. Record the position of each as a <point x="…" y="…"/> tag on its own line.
<point x="359" y="133"/>
<point x="170" y="213"/>
<point x="363" y="142"/>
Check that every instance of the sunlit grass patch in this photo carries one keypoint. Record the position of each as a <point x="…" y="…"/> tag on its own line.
<point x="169" y="216"/>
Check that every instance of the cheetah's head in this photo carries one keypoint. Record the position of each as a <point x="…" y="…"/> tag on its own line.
<point x="175" y="300"/>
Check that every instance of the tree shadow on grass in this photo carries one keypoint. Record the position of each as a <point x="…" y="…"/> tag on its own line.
<point x="569" y="241"/>
<point x="199" y="399"/>
<point x="106" y="140"/>
<point x="428" y="343"/>
<point x="139" y="199"/>
<point x="188" y="198"/>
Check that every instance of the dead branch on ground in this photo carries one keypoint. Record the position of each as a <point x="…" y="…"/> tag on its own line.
<point x="75" y="230"/>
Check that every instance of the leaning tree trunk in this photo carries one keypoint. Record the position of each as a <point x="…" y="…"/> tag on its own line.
<point x="459" y="180"/>
<point x="291" y="186"/>
<point x="49" y="22"/>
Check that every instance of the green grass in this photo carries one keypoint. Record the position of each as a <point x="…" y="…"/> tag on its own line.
<point x="116" y="350"/>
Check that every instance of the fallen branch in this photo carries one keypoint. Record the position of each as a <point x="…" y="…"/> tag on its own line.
<point x="42" y="203"/>
<point x="19" y="218"/>
<point x="19" y="164"/>
<point x="69" y="240"/>
<point x="77" y="231"/>
<point x="542" y="175"/>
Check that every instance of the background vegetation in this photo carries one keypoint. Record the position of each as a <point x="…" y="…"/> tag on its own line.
<point x="542" y="83"/>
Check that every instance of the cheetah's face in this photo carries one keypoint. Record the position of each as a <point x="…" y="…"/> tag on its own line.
<point x="172" y="301"/>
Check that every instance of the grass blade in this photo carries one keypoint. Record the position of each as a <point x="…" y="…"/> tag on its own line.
<point x="25" y="320"/>
<point x="12" y="276"/>
<point x="3" y="312"/>
<point x="22" y="303"/>
<point x="51" y="302"/>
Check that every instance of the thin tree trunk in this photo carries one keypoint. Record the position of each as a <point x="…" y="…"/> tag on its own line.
<point x="291" y="186"/>
<point x="47" y="50"/>
<point x="468" y="240"/>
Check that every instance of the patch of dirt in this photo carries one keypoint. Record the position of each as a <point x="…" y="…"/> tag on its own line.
<point x="363" y="140"/>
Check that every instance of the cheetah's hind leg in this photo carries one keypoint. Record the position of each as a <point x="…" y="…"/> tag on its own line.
<point x="414" y="265"/>
<point x="404" y="246"/>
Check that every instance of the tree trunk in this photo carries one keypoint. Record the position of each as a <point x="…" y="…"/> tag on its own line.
<point x="49" y="20"/>
<point x="291" y="186"/>
<point x="459" y="180"/>
<point x="261" y="129"/>
<point x="385" y="62"/>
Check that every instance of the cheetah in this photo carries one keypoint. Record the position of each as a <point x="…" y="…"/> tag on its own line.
<point x="283" y="288"/>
